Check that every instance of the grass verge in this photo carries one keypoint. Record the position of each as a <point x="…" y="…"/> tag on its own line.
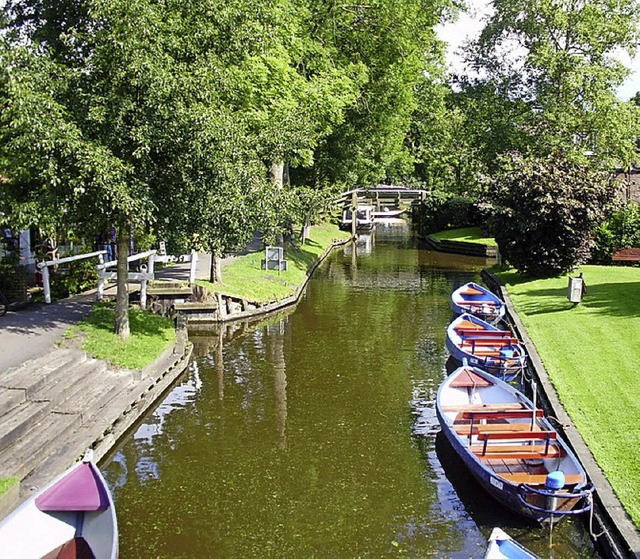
<point x="244" y="277"/>
<point x="591" y="352"/>
<point x="465" y="235"/>
<point x="7" y="483"/>
<point x="150" y="336"/>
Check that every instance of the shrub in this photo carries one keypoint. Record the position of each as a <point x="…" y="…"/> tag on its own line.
<point x="77" y="277"/>
<point x="545" y="210"/>
<point x="620" y="231"/>
<point x="443" y="210"/>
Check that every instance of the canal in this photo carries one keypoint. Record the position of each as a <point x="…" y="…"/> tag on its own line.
<point x="313" y="433"/>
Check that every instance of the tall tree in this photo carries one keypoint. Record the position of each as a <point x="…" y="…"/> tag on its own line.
<point x="559" y="57"/>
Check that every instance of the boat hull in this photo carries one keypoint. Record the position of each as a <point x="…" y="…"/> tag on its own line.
<point x="477" y="300"/>
<point x="507" y="362"/>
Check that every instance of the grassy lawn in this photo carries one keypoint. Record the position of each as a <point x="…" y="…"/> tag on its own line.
<point x="465" y="235"/>
<point x="150" y="336"/>
<point x="592" y="354"/>
<point x="244" y="278"/>
<point x="7" y="483"/>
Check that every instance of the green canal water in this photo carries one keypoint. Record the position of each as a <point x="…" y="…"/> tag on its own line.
<point x="313" y="433"/>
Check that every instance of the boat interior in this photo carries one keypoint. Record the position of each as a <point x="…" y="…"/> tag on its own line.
<point x="506" y="434"/>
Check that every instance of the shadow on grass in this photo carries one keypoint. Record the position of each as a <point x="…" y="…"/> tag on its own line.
<point x="613" y="299"/>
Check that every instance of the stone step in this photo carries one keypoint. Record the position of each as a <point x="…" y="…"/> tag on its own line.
<point x="29" y="452"/>
<point x="11" y="398"/>
<point x="67" y="379"/>
<point x="21" y="420"/>
<point x="80" y="384"/>
<point x="94" y="392"/>
<point x="36" y="374"/>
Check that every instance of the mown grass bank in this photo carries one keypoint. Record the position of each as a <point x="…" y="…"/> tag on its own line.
<point x="465" y="235"/>
<point x="592" y="355"/>
<point x="150" y="336"/>
<point x="245" y="279"/>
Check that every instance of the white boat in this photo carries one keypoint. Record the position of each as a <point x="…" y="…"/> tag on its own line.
<point x="510" y="447"/>
<point x="503" y="546"/>
<point x="73" y="517"/>
<point x="365" y="219"/>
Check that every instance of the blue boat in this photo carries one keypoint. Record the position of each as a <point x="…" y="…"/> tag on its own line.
<point x="473" y="341"/>
<point x="479" y="301"/>
<point x="510" y="448"/>
<point x="503" y="546"/>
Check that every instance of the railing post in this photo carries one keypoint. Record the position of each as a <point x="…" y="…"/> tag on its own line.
<point x="45" y="284"/>
<point x="100" y="291"/>
<point x="143" y="293"/>
<point x="192" y="267"/>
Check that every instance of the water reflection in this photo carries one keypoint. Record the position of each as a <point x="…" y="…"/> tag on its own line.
<point x="313" y="433"/>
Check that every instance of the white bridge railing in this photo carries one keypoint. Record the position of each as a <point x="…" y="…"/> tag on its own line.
<point x="106" y="272"/>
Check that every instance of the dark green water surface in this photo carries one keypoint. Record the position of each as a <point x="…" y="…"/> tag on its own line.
<point x="313" y="433"/>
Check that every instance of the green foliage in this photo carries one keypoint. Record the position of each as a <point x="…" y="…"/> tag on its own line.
<point x="74" y="277"/>
<point x="444" y="210"/>
<point x="150" y="336"/>
<point x="545" y="210"/>
<point x="621" y="230"/>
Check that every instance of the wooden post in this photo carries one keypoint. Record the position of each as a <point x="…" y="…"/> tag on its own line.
<point x="100" y="291"/>
<point x="45" y="284"/>
<point x="354" y="213"/>
<point x="192" y="267"/>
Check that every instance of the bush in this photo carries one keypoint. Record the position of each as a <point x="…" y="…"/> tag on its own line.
<point x="622" y="230"/>
<point x="545" y="211"/>
<point x="443" y="210"/>
<point x="78" y="276"/>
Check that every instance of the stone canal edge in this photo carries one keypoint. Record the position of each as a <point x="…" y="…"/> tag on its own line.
<point x="614" y="529"/>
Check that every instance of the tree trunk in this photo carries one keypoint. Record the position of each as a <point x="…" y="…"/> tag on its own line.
<point x="215" y="271"/>
<point x="122" y="296"/>
<point x="276" y="174"/>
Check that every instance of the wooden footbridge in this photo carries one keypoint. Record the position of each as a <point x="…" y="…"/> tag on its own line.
<point x="380" y="196"/>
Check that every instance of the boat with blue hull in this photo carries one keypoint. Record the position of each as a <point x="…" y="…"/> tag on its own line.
<point x="503" y="546"/>
<point x="510" y="448"/>
<point x="479" y="301"/>
<point x="473" y="341"/>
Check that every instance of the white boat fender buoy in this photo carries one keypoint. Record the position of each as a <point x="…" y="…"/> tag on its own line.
<point x="555" y="482"/>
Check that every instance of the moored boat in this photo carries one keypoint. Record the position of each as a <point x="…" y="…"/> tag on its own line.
<point x="73" y="517"/>
<point x="503" y="546"/>
<point x="477" y="300"/>
<point x="511" y="449"/>
<point x="472" y="340"/>
<point x="364" y="217"/>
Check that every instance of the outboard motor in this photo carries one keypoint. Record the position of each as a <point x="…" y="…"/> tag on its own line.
<point x="555" y="482"/>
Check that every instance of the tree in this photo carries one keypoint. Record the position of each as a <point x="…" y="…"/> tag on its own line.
<point x="545" y="211"/>
<point x="559" y="59"/>
<point x="390" y="44"/>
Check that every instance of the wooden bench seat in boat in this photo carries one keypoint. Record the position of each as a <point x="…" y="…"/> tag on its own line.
<point x="478" y="342"/>
<point x="519" y="451"/>
<point x="539" y="479"/>
<point x="503" y="435"/>
<point x="498" y="414"/>
<point x="486" y="407"/>
<point x="506" y="434"/>
<point x="481" y="428"/>
<point x="471" y="291"/>
<point x="483" y="331"/>
<point x="478" y="303"/>
<point x="76" y="548"/>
